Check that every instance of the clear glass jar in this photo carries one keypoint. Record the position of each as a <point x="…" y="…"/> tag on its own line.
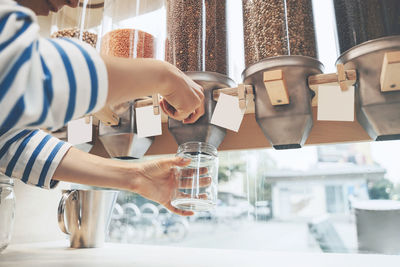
<point x="197" y="183"/>
<point x="7" y="210"/>
<point x="278" y="28"/>
<point x="82" y="22"/>
<point x="196" y="35"/>
<point x="358" y="21"/>
<point x="133" y="29"/>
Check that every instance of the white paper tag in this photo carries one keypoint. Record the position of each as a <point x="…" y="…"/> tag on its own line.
<point x="335" y="104"/>
<point x="227" y="113"/>
<point x="79" y="131"/>
<point x="147" y="123"/>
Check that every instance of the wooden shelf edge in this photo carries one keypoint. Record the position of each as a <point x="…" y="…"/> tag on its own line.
<point x="250" y="136"/>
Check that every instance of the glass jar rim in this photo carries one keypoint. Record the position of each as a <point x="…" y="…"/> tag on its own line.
<point x="195" y="146"/>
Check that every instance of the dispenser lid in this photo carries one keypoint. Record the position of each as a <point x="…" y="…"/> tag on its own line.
<point x="213" y="79"/>
<point x="372" y="46"/>
<point x="282" y="61"/>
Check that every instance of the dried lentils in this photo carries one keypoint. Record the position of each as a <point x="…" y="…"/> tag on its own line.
<point x="128" y="43"/>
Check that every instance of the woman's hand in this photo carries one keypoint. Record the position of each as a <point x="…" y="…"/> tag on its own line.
<point x="130" y="79"/>
<point x="157" y="181"/>
<point x="183" y="98"/>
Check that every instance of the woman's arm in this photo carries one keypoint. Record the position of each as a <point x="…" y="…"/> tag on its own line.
<point x="131" y="79"/>
<point x="47" y="82"/>
<point x="154" y="180"/>
<point x="31" y="156"/>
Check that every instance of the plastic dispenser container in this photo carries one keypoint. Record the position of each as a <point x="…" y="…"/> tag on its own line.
<point x="280" y="53"/>
<point x="131" y="29"/>
<point x="369" y="40"/>
<point x="82" y="23"/>
<point x="196" y="44"/>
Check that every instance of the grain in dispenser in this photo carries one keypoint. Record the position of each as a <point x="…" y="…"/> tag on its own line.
<point x="133" y="29"/>
<point x="369" y="42"/>
<point x="196" y="44"/>
<point x="280" y="53"/>
<point x="359" y="21"/>
<point x="196" y="35"/>
<point x="278" y="28"/>
<point x="82" y="22"/>
<point x="130" y="29"/>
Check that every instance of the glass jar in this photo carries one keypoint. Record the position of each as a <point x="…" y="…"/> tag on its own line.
<point x="197" y="183"/>
<point x="358" y="21"/>
<point x="133" y="29"/>
<point x="82" y="22"/>
<point x="278" y="28"/>
<point x="196" y="35"/>
<point x="7" y="210"/>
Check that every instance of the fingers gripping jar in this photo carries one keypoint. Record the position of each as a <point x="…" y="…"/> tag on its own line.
<point x="197" y="183"/>
<point x="7" y="210"/>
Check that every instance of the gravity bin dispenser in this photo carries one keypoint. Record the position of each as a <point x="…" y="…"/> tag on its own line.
<point x="130" y="29"/>
<point x="120" y="138"/>
<point x="197" y="45"/>
<point x="202" y="130"/>
<point x="369" y="40"/>
<point x="280" y="52"/>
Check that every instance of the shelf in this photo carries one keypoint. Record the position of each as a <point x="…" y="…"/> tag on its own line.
<point x="58" y="254"/>
<point x="250" y="136"/>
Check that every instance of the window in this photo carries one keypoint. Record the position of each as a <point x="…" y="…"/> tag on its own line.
<point x="290" y="200"/>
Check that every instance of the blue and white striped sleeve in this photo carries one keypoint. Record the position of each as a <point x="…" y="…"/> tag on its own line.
<point x="44" y="83"/>
<point x="31" y="156"/>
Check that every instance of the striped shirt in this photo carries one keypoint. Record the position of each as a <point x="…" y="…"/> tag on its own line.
<point x="44" y="83"/>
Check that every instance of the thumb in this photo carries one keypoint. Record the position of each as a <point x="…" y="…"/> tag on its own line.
<point x="180" y="162"/>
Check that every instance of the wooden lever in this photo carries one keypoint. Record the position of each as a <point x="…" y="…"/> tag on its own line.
<point x="156" y="104"/>
<point x="233" y="91"/>
<point x="242" y="96"/>
<point x="87" y="119"/>
<point x="390" y="75"/>
<point x="107" y="116"/>
<point x="275" y="85"/>
<point x="242" y="91"/>
<point x="341" y="77"/>
<point x="144" y="102"/>
<point x="314" y="81"/>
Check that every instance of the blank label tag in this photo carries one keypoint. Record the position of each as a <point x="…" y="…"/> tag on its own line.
<point x="227" y="113"/>
<point x="79" y="131"/>
<point x="147" y="123"/>
<point x="335" y="104"/>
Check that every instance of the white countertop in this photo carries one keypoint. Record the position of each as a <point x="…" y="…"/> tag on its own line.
<point x="58" y="254"/>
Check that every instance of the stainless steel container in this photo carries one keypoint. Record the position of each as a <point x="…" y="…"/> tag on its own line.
<point x="378" y="112"/>
<point x="378" y="228"/>
<point x="285" y="126"/>
<point x="121" y="141"/>
<point x="85" y="216"/>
